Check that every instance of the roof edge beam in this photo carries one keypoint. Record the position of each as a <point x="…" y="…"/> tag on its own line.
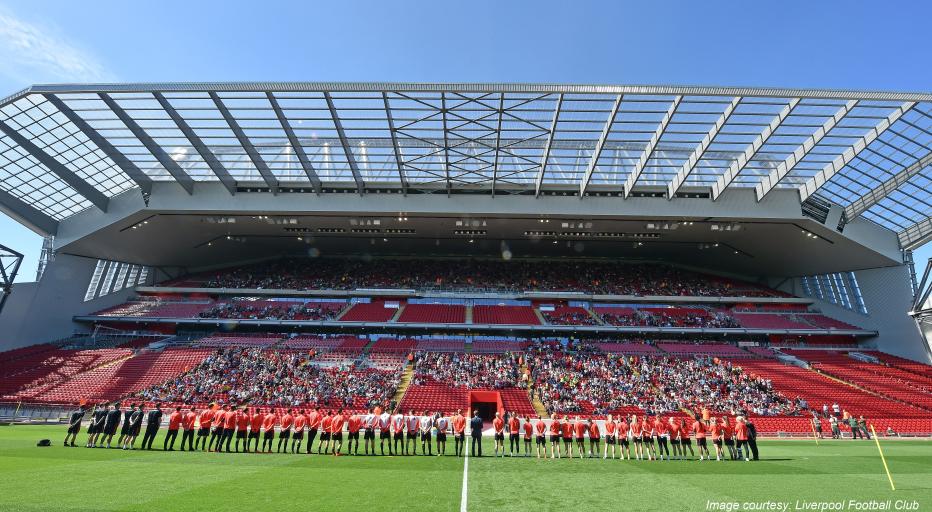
<point x="765" y="92"/>
<point x="131" y="169"/>
<point x="726" y="179"/>
<point x="917" y="235"/>
<point x="597" y="152"/>
<point x="209" y="158"/>
<point x="877" y="194"/>
<point x="397" y="149"/>
<point x="295" y="144"/>
<point x="270" y="180"/>
<point x="27" y="215"/>
<point x="700" y="150"/>
<point x="344" y="141"/>
<point x="651" y="146"/>
<point x="836" y="165"/>
<point x="786" y="166"/>
<point x="167" y="161"/>
<point x="96" y="197"/>
<point x="498" y="141"/>
<point x="546" y="155"/>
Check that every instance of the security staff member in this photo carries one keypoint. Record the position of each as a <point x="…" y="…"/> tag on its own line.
<point x="475" y="425"/>
<point x="153" y="422"/>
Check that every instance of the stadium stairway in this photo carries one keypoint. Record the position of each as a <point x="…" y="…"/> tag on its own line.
<point x="398" y="312"/>
<point x="468" y="314"/>
<point x="540" y="316"/>
<point x="406" y="377"/>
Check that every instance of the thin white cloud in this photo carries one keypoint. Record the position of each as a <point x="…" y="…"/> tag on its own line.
<point x="31" y="53"/>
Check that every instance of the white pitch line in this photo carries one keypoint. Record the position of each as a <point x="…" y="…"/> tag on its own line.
<point x="465" y="493"/>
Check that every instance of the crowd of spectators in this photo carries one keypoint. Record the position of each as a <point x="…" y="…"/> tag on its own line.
<point x="515" y="276"/>
<point x="495" y="371"/>
<point x="573" y="316"/>
<point x="275" y="378"/>
<point x="718" y="319"/>
<point x="593" y="383"/>
<point x="265" y="310"/>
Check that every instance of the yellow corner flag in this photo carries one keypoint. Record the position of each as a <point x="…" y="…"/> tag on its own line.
<point x="882" y="458"/>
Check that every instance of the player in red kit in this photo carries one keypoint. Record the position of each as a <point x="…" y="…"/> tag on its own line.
<point x="514" y="434"/>
<point x="594" y="436"/>
<point x="540" y="429"/>
<point x="659" y="430"/>
<point x="336" y="431"/>
<point x="609" y="436"/>
<point x="673" y="427"/>
<point x="353" y="425"/>
<point x="297" y="432"/>
<point x="268" y="427"/>
<point x="498" y="424"/>
<point x="623" y="433"/>
<point x="459" y="432"/>
<point x="580" y="428"/>
<point x="699" y="429"/>
<point x="285" y="433"/>
<point x="255" y="426"/>
<point x="556" y="430"/>
<point x="242" y="429"/>
<point x="567" y="426"/>
<point x="528" y="433"/>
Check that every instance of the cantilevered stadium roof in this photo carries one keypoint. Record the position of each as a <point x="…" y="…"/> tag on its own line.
<point x="66" y="148"/>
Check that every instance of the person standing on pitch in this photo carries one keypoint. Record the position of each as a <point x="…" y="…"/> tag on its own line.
<point x="609" y="436"/>
<point x="528" y="434"/>
<point x="398" y="432"/>
<point x="255" y="429"/>
<point x="741" y="438"/>
<point x="752" y="439"/>
<point x="336" y="432"/>
<point x="475" y="429"/>
<point x="443" y="425"/>
<point x="498" y="425"/>
<point x="412" y="422"/>
<point x="353" y="425"/>
<point x="594" y="438"/>
<point x="426" y="423"/>
<point x="297" y="432"/>
<point x="368" y="434"/>
<point x="111" y="423"/>
<point x="187" y="425"/>
<point x="514" y="435"/>
<point x="313" y="426"/>
<point x="229" y="427"/>
<point x="540" y="428"/>
<point x="204" y="422"/>
<point x="385" y="420"/>
<point x="268" y="430"/>
<point x="242" y="429"/>
<point x="153" y="422"/>
<point x="459" y="432"/>
<point x="135" y="425"/>
<point x="284" y="434"/>
<point x="96" y="426"/>
<point x="174" y="421"/>
<point x="124" y="427"/>
<point x="74" y="425"/>
<point x="216" y="436"/>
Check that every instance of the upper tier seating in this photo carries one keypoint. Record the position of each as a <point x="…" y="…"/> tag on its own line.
<point x="497" y="346"/>
<point x="705" y="349"/>
<point x="517" y="315"/>
<point x="374" y="311"/>
<point x="567" y="315"/>
<point x="514" y="276"/>
<point x="633" y="348"/>
<point x="238" y="340"/>
<point x="157" y="309"/>
<point x="771" y="321"/>
<point x="433" y="313"/>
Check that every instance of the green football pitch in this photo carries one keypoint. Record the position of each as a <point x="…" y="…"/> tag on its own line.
<point x="790" y="472"/>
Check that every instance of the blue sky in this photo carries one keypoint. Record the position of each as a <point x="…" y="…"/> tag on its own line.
<point x="856" y="45"/>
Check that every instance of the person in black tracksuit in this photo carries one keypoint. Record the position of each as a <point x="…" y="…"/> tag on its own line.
<point x="153" y="422"/>
<point x="475" y="425"/>
<point x="752" y="439"/>
<point x="111" y="423"/>
<point x="74" y="425"/>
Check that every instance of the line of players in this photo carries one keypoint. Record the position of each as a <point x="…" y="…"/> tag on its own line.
<point x="216" y="428"/>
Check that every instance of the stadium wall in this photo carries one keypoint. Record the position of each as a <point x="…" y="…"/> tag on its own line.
<point x="887" y="294"/>
<point x="41" y="312"/>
